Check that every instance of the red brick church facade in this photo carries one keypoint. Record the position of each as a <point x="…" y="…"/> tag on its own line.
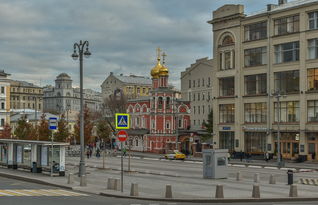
<point x="161" y="121"/>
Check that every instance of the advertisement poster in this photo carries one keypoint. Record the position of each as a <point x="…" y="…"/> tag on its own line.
<point x="19" y="154"/>
<point x="44" y="156"/>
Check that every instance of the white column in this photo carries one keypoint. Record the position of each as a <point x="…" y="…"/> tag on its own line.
<point x="34" y="153"/>
<point x="223" y="61"/>
<point x="62" y="160"/>
<point x="10" y="155"/>
<point x="231" y="57"/>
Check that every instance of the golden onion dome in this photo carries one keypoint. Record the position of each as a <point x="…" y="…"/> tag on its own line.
<point x="155" y="70"/>
<point x="164" y="71"/>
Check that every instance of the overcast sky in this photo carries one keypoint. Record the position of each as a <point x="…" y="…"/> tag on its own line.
<point x="37" y="36"/>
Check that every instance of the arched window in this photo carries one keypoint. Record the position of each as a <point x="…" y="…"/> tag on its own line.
<point x="168" y="103"/>
<point x="227" y="41"/>
<point x="160" y="102"/>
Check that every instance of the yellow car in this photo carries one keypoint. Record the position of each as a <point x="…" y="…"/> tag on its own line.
<point x="175" y="154"/>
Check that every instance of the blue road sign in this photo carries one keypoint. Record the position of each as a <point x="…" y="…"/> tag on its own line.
<point x="122" y="121"/>
<point x="52" y="123"/>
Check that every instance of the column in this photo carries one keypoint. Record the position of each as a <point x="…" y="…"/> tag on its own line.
<point x="62" y="161"/>
<point x="10" y="155"/>
<point x="34" y="154"/>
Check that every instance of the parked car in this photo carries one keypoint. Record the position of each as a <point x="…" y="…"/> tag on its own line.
<point x="175" y="154"/>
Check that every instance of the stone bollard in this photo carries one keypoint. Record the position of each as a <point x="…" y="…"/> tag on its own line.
<point x="70" y="178"/>
<point x="116" y="184"/>
<point x="238" y="176"/>
<point x="219" y="191"/>
<point x="134" y="190"/>
<point x="272" y="179"/>
<point x="110" y="183"/>
<point x="293" y="190"/>
<point x="83" y="181"/>
<point x="168" y="191"/>
<point x="256" y="178"/>
<point x="256" y="191"/>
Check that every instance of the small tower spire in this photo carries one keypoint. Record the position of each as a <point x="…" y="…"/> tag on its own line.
<point x="163" y="58"/>
<point x="158" y="53"/>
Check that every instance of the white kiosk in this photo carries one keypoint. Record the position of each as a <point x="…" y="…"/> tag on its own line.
<point x="215" y="163"/>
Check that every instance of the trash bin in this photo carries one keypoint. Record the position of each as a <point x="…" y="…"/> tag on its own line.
<point x="290" y="177"/>
<point x="34" y="167"/>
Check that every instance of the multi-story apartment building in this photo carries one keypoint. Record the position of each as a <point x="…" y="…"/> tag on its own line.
<point x="260" y="59"/>
<point x="196" y="87"/>
<point x="63" y="98"/>
<point x="4" y="99"/>
<point x="131" y="86"/>
<point x="25" y="95"/>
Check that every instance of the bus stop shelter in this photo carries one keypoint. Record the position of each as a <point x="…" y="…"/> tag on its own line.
<point x="33" y="155"/>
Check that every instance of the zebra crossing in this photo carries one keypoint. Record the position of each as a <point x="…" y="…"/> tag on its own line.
<point x="38" y="192"/>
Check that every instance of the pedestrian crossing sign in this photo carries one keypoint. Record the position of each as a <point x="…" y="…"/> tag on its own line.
<point x="122" y="121"/>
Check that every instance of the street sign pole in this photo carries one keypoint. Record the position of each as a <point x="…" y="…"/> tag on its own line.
<point x="122" y="167"/>
<point x="52" y="165"/>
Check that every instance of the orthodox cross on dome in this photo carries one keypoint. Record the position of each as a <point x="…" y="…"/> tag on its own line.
<point x="158" y="53"/>
<point x="163" y="57"/>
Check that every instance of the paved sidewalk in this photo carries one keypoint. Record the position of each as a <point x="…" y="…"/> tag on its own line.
<point x="153" y="186"/>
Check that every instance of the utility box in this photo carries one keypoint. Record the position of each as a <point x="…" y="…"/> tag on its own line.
<point x="215" y="163"/>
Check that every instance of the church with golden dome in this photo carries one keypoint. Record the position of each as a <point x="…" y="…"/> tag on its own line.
<point x="159" y="122"/>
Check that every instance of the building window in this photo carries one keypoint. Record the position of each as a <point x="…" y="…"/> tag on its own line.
<point x="313" y="20"/>
<point x="198" y="96"/>
<point x="313" y="48"/>
<point x="226" y="86"/>
<point x="312" y="78"/>
<point x="2" y="106"/>
<point x="289" y="111"/>
<point x="255" y="56"/>
<point x="203" y="97"/>
<point x="286" y="25"/>
<point x="189" y="83"/>
<point x="227" y="60"/>
<point x="168" y="125"/>
<point x="227" y="141"/>
<point x="168" y="103"/>
<point x="255" y="84"/>
<point x="193" y="109"/>
<point x="2" y="90"/>
<point x="209" y="82"/>
<point x="256" y="31"/>
<point x="287" y="52"/>
<point x="255" y="142"/>
<point x="160" y="103"/>
<point x="255" y="112"/>
<point x="226" y="113"/>
<point x="287" y="82"/>
<point x="312" y="110"/>
<point x="203" y="109"/>
<point x="2" y="122"/>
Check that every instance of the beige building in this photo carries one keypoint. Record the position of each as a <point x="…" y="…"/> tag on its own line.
<point x="258" y="58"/>
<point x="196" y="87"/>
<point x="4" y="99"/>
<point x="26" y="95"/>
<point x="131" y="86"/>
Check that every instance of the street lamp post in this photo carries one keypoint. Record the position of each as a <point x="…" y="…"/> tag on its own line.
<point x="80" y="48"/>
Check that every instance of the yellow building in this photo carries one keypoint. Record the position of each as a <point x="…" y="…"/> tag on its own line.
<point x="131" y="86"/>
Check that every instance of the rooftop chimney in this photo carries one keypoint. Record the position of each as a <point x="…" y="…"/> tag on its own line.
<point x="271" y="7"/>
<point x="281" y="2"/>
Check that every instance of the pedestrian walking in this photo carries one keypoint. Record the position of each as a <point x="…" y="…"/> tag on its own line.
<point x="87" y="154"/>
<point x="266" y="156"/>
<point x="241" y="155"/>
<point x="124" y="151"/>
